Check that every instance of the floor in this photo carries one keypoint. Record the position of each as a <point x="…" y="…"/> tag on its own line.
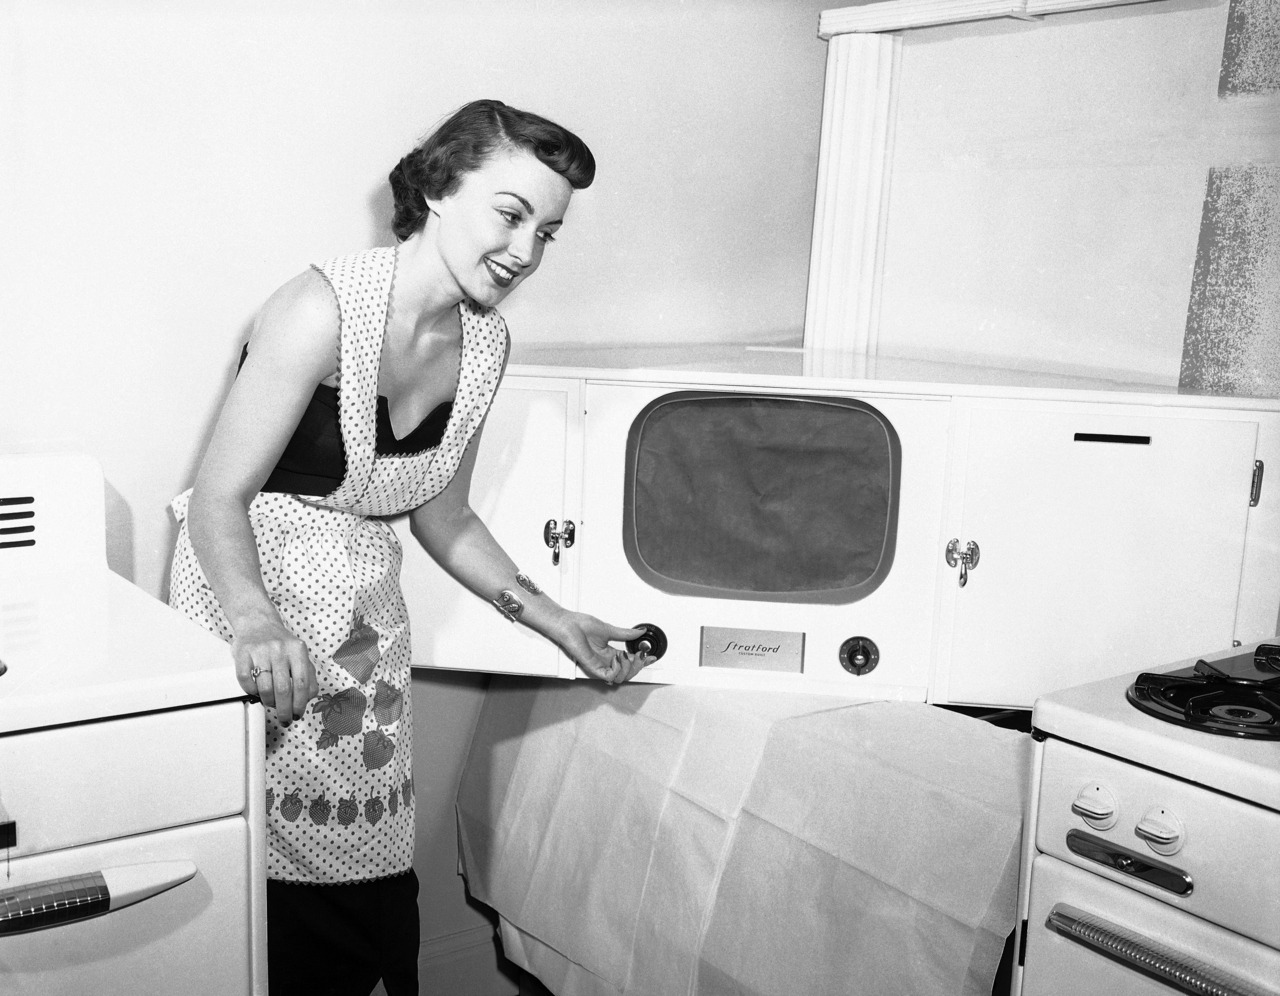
<point x="530" y="986"/>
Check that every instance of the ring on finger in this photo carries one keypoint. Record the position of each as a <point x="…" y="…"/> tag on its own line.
<point x="255" y="671"/>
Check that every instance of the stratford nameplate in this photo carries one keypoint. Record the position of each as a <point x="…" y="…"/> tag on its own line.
<point x="752" y="649"/>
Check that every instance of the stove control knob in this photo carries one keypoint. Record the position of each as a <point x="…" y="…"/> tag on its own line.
<point x="1162" y="830"/>
<point x="652" y="641"/>
<point x="1097" y="807"/>
<point x="858" y="655"/>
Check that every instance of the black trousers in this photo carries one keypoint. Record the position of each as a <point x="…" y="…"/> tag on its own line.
<point x="339" y="940"/>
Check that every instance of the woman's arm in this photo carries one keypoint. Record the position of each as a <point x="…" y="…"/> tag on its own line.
<point x="459" y="541"/>
<point x="293" y="347"/>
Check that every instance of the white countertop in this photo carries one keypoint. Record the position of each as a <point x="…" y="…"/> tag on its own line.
<point x="92" y="646"/>
<point x="786" y="366"/>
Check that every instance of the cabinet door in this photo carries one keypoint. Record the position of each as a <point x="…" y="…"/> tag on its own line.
<point x="1111" y="539"/>
<point x="523" y="477"/>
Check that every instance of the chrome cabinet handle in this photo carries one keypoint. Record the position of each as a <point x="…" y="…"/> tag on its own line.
<point x="553" y="536"/>
<point x="56" y="901"/>
<point x="967" y="560"/>
<point x="1187" y="974"/>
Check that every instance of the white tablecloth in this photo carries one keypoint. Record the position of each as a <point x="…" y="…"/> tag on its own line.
<point x="664" y="840"/>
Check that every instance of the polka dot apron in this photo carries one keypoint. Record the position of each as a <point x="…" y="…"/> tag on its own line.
<point x="340" y="795"/>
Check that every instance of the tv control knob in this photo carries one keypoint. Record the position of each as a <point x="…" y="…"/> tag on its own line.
<point x="1162" y="830"/>
<point x="858" y="655"/>
<point x="652" y="641"/>
<point x="1096" y="806"/>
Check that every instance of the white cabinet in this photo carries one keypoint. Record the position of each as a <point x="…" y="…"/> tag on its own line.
<point x="1111" y="538"/>
<point x="526" y="474"/>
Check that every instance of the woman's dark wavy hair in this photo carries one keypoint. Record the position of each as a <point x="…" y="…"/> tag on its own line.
<point x="465" y="142"/>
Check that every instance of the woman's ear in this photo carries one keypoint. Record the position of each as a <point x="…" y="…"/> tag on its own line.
<point x="433" y="204"/>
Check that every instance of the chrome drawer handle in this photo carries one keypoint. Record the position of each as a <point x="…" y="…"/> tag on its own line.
<point x="1129" y="862"/>
<point x="1180" y="971"/>
<point x="78" y="897"/>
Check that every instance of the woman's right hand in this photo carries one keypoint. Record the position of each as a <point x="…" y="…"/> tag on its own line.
<point x="273" y="665"/>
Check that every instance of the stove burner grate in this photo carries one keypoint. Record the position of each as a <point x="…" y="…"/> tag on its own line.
<point x="1210" y="702"/>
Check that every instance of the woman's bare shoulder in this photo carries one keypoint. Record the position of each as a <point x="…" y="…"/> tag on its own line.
<point x="298" y="324"/>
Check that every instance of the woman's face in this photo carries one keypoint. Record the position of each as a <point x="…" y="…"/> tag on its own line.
<point x="492" y="230"/>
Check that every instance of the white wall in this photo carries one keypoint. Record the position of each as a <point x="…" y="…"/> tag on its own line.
<point x="164" y="166"/>
<point x="1048" y="185"/>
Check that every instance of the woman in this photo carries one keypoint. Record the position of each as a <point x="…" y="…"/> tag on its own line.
<point x="361" y="394"/>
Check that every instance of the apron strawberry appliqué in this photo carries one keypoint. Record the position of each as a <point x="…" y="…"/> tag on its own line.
<point x="341" y="715"/>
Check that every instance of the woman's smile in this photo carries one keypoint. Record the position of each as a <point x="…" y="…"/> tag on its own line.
<point x="503" y="276"/>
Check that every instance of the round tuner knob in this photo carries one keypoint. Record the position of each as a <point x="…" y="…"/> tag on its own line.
<point x="1096" y="806"/>
<point x="1162" y="830"/>
<point x="858" y="655"/>
<point x="652" y="641"/>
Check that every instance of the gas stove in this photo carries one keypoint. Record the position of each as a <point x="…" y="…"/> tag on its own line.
<point x="1150" y="860"/>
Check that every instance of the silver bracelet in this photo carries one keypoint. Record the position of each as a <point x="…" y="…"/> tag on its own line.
<point x="508" y="605"/>
<point x="528" y="584"/>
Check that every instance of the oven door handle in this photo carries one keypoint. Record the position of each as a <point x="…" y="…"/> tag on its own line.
<point x="1178" y="970"/>
<point x="56" y="901"/>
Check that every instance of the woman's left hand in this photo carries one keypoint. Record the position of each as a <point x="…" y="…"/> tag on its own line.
<point x="586" y="640"/>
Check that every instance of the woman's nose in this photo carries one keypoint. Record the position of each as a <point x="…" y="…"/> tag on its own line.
<point x="524" y="246"/>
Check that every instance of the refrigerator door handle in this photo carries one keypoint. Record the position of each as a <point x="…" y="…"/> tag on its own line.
<point x="56" y="901"/>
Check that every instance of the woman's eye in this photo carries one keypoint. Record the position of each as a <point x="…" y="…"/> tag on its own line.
<point x="546" y="237"/>
<point x="510" y="217"/>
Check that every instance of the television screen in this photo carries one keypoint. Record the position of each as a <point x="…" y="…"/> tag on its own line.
<point x="758" y="496"/>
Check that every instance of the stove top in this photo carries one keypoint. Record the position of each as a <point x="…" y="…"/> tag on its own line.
<point x="1101" y="717"/>
<point x="1237" y="696"/>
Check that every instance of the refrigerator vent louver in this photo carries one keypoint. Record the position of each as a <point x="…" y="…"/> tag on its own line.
<point x="17" y="521"/>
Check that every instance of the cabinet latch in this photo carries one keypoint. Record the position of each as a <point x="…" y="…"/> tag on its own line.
<point x="967" y="560"/>
<point x="1255" y="489"/>
<point x="553" y="536"/>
